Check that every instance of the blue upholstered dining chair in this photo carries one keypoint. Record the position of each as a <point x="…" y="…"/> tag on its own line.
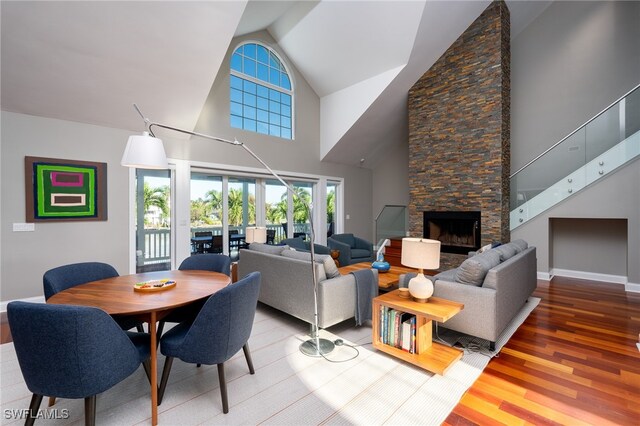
<point x="197" y="262"/>
<point x="222" y="327"/>
<point x="63" y="277"/>
<point x="72" y="352"/>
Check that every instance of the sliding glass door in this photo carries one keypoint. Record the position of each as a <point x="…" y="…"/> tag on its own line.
<point x="153" y="220"/>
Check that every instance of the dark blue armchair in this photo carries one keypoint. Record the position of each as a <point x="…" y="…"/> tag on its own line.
<point x="221" y="329"/>
<point x="197" y="262"/>
<point x="72" y="352"/>
<point x="352" y="249"/>
<point x="300" y="244"/>
<point x="63" y="277"/>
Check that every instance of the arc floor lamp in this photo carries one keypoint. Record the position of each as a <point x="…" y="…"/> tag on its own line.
<point x="147" y="152"/>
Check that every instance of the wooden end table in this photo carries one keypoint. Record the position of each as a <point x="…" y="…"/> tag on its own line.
<point x="431" y="356"/>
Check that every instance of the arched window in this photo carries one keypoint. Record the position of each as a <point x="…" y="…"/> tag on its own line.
<point x="261" y="91"/>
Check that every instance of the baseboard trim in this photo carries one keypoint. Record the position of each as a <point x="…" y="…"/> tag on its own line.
<point x="632" y="287"/>
<point x="544" y="276"/>
<point x="616" y="279"/>
<point x="37" y="299"/>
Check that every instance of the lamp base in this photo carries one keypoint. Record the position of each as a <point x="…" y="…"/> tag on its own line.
<point x="309" y="347"/>
<point x="420" y="300"/>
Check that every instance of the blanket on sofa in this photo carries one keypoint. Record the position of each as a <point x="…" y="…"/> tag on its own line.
<point x="366" y="290"/>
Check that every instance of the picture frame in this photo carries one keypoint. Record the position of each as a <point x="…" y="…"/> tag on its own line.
<point x="59" y="190"/>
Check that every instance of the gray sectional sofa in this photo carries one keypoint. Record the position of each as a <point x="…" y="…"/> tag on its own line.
<point x="493" y="285"/>
<point x="287" y="283"/>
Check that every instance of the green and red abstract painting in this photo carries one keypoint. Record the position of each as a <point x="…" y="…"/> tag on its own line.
<point x="63" y="190"/>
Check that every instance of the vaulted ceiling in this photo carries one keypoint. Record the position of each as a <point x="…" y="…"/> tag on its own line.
<point x="89" y="61"/>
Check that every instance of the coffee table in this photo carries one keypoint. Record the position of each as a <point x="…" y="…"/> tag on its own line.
<point x="387" y="281"/>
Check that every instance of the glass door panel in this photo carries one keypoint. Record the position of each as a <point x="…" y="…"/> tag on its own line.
<point x="153" y="220"/>
<point x="206" y="213"/>
<point x="304" y="191"/>
<point x="241" y="210"/>
<point x="331" y="208"/>
<point x="276" y="210"/>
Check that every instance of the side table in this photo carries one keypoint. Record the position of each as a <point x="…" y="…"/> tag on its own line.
<point x="335" y="254"/>
<point x="431" y="356"/>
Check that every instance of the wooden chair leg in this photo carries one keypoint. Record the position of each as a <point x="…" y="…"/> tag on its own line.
<point x="223" y="388"/>
<point x="247" y="355"/>
<point x="90" y="411"/>
<point x="34" y="406"/>
<point x="140" y="328"/>
<point x="165" y="377"/>
<point x="52" y="401"/>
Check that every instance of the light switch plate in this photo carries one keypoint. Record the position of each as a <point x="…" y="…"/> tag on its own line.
<point x="24" y="227"/>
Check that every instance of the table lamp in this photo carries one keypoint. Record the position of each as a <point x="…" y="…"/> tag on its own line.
<point x="422" y="254"/>
<point x="255" y="234"/>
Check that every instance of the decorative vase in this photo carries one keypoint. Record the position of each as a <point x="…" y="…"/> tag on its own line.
<point x="381" y="265"/>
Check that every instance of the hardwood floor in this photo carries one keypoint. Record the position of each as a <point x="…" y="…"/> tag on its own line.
<point x="574" y="361"/>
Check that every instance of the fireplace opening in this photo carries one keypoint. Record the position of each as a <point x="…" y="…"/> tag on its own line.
<point x="458" y="231"/>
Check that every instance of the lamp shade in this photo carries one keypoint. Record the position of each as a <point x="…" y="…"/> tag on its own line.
<point x="255" y="234"/>
<point x="420" y="253"/>
<point x="144" y="152"/>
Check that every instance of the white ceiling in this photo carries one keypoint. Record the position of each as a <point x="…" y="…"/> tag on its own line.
<point x="89" y="61"/>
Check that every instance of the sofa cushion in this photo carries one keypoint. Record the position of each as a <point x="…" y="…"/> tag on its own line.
<point x="330" y="269"/>
<point x="519" y="244"/>
<point x="449" y="275"/>
<point x="267" y="248"/>
<point x="473" y="270"/>
<point x="506" y="251"/>
<point x="360" y="253"/>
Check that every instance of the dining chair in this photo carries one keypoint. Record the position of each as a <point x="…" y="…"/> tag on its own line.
<point x="221" y="329"/>
<point x="205" y="246"/>
<point x="199" y="262"/>
<point x="216" y="245"/>
<point x="61" y="356"/>
<point x="271" y="236"/>
<point x="63" y="277"/>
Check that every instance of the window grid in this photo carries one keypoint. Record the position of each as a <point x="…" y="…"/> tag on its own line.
<point x="260" y="101"/>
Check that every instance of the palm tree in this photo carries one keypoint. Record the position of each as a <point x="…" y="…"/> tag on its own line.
<point x="235" y="212"/>
<point x="331" y="205"/>
<point x="213" y="199"/>
<point x="156" y="197"/>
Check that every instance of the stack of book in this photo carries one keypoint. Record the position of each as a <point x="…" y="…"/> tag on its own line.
<point x="398" y="329"/>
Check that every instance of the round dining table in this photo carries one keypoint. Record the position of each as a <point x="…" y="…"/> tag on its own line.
<point x="116" y="296"/>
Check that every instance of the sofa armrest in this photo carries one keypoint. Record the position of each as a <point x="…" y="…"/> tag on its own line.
<point x="345" y="251"/>
<point x="478" y="318"/>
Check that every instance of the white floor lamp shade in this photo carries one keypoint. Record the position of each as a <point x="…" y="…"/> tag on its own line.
<point x="144" y="151"/>
<point x="255" y="234"/>
<point x="422" y="254"/>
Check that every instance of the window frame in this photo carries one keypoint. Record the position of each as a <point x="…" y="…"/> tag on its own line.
<point x="266" y="84"/>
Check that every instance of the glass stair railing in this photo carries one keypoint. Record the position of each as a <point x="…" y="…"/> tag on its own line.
<point x="594" y="150"/>
<point x="391" y="222"/>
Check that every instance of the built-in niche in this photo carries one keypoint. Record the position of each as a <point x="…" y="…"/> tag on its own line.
<point x="590" y="248"/>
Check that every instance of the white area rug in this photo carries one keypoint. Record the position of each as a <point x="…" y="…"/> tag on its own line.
<point x="288" y="388"/>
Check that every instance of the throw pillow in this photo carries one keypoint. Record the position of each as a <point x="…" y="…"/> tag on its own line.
<point x="506" y="251"/>
<point x="267" y="248"/>
<point x="473" y="270"/>
<point x="330" y="269"/>
<point x="520" y="244"/>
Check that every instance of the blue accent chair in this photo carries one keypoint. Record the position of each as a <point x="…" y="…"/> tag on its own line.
<point x="352" y="249"/>
<point x="221" y="329"/>
<point x="72" y="352"/>
<point x="63" y="277"/>
<point x="197" y="262"/>
<point x="300" y="244"/>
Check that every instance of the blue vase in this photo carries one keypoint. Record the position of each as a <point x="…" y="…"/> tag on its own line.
<point x="381" y="265"/>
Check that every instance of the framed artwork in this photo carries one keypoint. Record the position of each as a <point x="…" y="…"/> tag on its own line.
<point x="64" y="190"/>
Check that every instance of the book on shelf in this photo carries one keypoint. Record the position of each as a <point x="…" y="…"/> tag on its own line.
<point x="406" y="333"/>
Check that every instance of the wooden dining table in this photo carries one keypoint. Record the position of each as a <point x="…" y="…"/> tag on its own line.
<point x="116" y="296"/>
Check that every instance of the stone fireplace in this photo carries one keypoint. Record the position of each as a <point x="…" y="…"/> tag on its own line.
<point x="459" y="141"/>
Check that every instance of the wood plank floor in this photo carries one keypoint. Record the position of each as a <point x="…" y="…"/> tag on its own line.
<point x="574" y="361"/>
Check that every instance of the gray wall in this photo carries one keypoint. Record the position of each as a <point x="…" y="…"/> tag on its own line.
<point x="27" y="255"/>
<point x="578" y="245"/>
<point x="570" y="63"/>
